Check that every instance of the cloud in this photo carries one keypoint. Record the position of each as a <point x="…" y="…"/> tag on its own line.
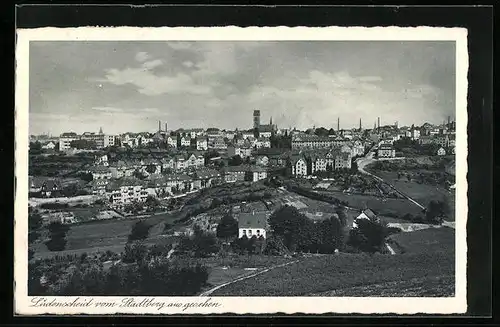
<point x="148" y="83"/>
<point x="142" y="56"/>
<point x="370" y="78"/>
<point x="180" y="45"/>
<point x="188" y="64"/>
<point x="152" y="64"/>
<point x="108" y="109"/>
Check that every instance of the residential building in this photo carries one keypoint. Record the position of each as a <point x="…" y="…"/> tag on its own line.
<point x="242" y="151"/>
<point x="101" y="160"/>
<point x="127" y="190"/>
<point x="217" y="143"/>
<point x="49" y="146"/>
<point x="172" y="141"/>
<point x="262" y="160"/>
<point x="441" y="151"/>
<point x="121" y="169"/>
<point x="386" y="151"/>
<point x="365" y="214"/>
<point x="201" y="144"/>
<point x="415" y="133"/>
<point x="204" y="178"/>
<point x="252" y="224"/>
<point x="151" y="166"/>
<point x="49" y="188"/>
<point x="65" y="140"/>
<point x="98" y="186"/>
<point x="186" y="141"/>
<point x="306" y="141"/>
<point x="101" y="140"/>
<point x="256" y="173"/>
<point x="299" y="166"/>
<point x="262" y="142"/>
<point x="100" y="172"/>
<point x="233" y="174"/>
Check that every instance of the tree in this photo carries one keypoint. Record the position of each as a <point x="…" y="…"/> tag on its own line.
<point x="140" y="231"/>
<point x="57" y="240"/>
<point x="436" y="211"/>
<point x="235" y="161"/>
<point x="87" y="177"/>
<point x="83" y="144"/>
<point x="199" y="245"/>
<point x="321" y="131"/>
<point x="227" y="227"/>
<point x="341" y="212"/>
<point x="152" y="203"/>
<point x="288" y="223"/>
<point x="134" y="252"/>
<point x="151" y="169"/>
<point x="368" y="236"/>
<point x="35" y="147"/>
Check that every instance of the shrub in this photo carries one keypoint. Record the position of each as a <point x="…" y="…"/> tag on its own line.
<point x="140" y="231"/>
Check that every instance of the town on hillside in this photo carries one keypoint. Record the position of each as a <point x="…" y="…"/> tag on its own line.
<point x="234" y="199"/>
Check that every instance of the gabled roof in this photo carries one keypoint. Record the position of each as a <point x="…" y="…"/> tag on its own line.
<point x="252" y="220"/>
<point x="99" y="169"/>
<point x="125" y="182"/>
<point x="207" y="173"/>
<point x="369" y="213"/>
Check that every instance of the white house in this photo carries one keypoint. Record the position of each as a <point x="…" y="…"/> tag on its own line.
<point x="441" y="152"/>
<point x="365" y="214"/>
<point x="201" y="144"/>
<point x="252" y="224"/>
<point x="172" y="141"/>
<point x="186" y="141"/>
<point x="49" y="146"/>
<point x="127" y="190"/>
<point x="299" y="167"/>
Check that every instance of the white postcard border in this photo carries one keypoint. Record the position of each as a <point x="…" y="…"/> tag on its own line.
<point x="241" y="305"/>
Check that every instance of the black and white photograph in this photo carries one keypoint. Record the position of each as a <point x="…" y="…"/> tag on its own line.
<point x="264" y="164"/>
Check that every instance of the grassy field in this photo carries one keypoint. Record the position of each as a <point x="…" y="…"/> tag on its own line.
<point x="343" y="271"/>
<point x="384" y="207"/>
<point x="431" y="240"/>
<point x="105" y="235"/>
<point x="422" y="193"/>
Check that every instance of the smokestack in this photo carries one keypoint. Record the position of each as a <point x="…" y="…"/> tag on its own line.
<point x="338" y="124"/>
<point x="159" y="125"/>
<point x="360" y="124"/>
<point x="378" y="121"/>
<point x="448" y="121"/>
<point x="166" y="127"/>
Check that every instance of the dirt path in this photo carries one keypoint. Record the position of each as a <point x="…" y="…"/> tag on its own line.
<point x="390" y="249"/>
<point x="210" y="291"/>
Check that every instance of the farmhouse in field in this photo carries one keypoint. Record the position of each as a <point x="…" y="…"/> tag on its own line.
<point x="365" y="214"/>
<point x="252" y="224"/>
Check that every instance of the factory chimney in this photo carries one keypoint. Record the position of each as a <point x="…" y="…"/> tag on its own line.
<point x="338" y="124"/>
<point x="159" y="125"/>
<point x="378" y="121"/>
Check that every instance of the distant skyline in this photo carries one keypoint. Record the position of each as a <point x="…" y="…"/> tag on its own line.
<point x="129" y="86"/>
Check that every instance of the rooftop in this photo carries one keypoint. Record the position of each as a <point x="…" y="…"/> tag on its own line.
<point x="252" y="220"/>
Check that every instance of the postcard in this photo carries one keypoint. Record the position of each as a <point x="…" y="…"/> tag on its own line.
<point x="255" y="170"/>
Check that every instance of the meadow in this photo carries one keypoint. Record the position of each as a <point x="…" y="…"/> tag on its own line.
<point x="342" y="271"/>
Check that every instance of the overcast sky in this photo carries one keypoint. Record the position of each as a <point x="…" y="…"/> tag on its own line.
<point x="128" y="86"/>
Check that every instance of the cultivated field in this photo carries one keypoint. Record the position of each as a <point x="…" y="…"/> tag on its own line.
<point x="328" y="273"/>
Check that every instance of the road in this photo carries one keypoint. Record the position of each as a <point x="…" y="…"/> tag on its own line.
<point x="368" y="159"/>
<point x="210" y="291"/>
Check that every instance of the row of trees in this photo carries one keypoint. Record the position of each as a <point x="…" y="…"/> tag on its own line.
<point x="300" y="234"/>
